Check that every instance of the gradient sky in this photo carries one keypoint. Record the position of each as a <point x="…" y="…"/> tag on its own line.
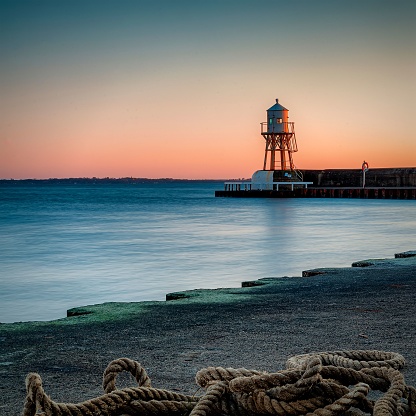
<point x="178" y="88"/>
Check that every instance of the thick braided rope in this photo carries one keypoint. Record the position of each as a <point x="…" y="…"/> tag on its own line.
<point x="356" y="359"/>
<point x="313" y="384"/>
<point x="112" y="403"/>
<point x="120" y="365"/>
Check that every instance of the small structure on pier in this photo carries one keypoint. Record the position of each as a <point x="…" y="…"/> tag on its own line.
<point x="280" y="173"/>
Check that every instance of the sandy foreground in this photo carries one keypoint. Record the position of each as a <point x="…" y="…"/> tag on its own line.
<point x="370" y="307"/>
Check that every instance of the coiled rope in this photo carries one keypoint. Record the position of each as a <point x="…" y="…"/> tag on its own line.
<point x="322" y="384"/>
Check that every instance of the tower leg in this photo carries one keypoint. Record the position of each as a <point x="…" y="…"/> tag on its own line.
<point x="265" y="156"/>
<point x="283" y="159"/>
<point x="272" y="157"/>
<point x="292" y="166"/>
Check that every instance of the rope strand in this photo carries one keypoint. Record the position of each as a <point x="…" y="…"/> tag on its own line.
<point x="319" y="384"/>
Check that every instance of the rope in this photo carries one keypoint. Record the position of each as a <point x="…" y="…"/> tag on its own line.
<point x="319" y="384"/>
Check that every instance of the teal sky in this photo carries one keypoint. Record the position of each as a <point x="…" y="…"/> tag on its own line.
<point x="178" y="88"/>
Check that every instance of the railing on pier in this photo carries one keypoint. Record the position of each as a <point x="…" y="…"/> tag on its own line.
<point x="269" y="186"/>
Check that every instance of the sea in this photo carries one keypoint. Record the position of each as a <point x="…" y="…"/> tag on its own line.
<point x="65" y="244"/>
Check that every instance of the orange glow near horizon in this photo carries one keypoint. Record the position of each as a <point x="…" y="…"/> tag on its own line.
<point x="183" y="149"/>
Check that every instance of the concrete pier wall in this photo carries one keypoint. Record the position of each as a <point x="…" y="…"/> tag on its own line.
<point x="378" y="177"/>
<point x="326" y="192"/>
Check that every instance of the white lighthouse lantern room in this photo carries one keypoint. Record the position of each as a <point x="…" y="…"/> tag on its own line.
<point x="277" y="119"/>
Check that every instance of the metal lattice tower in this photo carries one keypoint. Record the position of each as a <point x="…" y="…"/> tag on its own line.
<point x="280" y="138"/>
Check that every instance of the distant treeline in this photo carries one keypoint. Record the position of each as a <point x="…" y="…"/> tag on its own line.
<point x="105" y="180"/>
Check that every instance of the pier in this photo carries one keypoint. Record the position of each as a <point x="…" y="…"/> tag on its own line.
<point x="324" y="192"/>
<point x="381" y="183"/>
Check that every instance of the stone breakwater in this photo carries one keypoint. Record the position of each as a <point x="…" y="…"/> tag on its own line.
<point x="377" y="177"/>
<point x="380" y="183"/>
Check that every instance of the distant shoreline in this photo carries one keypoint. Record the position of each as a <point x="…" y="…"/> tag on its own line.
<point x="109" y="180"/>
<point x="376" y="177"/>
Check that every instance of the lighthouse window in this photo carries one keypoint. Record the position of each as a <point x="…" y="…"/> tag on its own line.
<point x="270" y="121"/>
<point x="278" y="120"/>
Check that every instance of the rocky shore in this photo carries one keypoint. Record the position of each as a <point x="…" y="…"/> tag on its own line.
<point x="258" y="326"/>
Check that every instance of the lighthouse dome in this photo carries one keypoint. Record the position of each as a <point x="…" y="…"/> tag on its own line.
<point x="277" y="107"/>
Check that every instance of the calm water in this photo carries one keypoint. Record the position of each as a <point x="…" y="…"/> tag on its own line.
<point x="68" y="245"/>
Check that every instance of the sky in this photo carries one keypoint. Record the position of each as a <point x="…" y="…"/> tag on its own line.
<point x="178" y="88"/>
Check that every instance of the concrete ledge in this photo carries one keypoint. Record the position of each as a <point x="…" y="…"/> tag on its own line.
<point x="362" y="264"/>
<point x="405" y="254"/>
<point x="314" y="272"/>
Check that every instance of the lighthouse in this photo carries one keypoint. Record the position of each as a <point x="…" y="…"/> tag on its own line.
<point x="279" y="135"/>
<point x="278" y="166"/>
<point x="279" y="172"/>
